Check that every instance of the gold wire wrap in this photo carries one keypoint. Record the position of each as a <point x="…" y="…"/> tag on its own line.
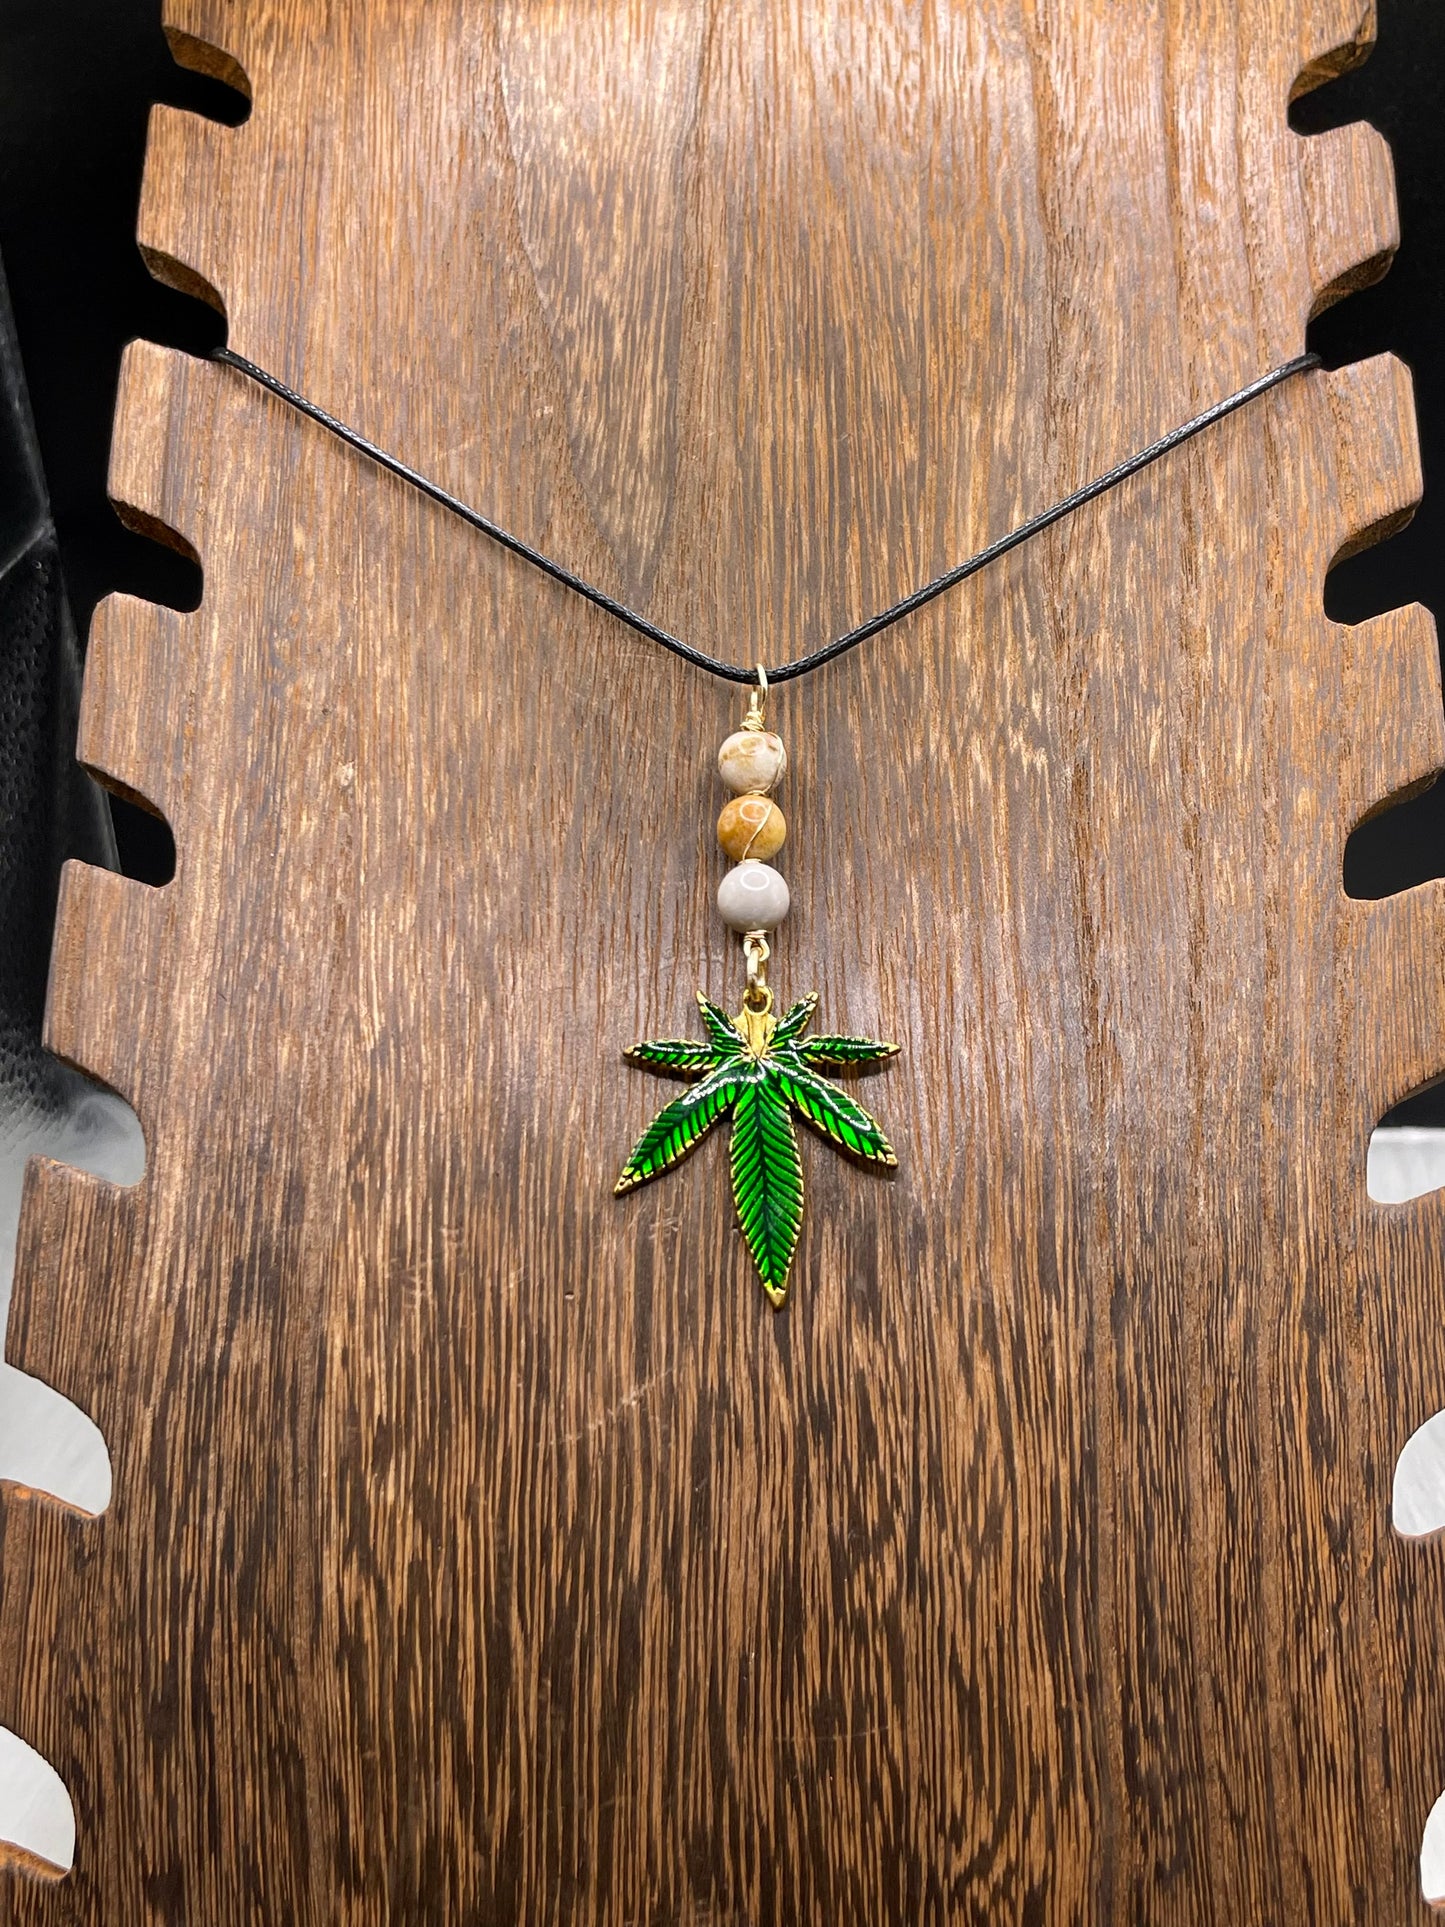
<point x="758" y="702"/>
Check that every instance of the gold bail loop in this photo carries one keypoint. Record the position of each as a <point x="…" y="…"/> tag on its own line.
<point x="758" y="702"/>
<point x="757" y="996"/>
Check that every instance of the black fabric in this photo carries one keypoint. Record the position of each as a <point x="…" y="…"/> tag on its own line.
<point x="77" y="82"/>
<point x="49" y="807"/>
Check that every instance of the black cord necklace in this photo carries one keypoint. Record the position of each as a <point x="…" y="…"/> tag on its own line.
<point x="840" y="645"/>
<point x="755" y="1067"/>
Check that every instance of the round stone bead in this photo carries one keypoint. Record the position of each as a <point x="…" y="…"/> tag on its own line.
<point x="752" y="897"/>
<point x="752" y="761"/>
<point x="751" y="826"/>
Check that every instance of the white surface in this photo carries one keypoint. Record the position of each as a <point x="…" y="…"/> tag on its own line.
<point x="1432" y="1856"/>
<point x="1409" y="1162"/>
<point x="1419" y="1498"/>
<point x="35" y="1810"/>
<point x="1405" y="1162"/>
<point x="46" y="1442"/>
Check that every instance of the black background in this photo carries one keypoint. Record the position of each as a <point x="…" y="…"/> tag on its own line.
<point x="77" y="79"/>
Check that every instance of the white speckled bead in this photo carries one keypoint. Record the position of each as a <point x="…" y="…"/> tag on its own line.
<point x="751" y="761"/>
<point x="752" y="897"/>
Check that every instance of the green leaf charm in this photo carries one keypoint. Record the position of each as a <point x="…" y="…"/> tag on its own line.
<point x="767" y="1182"/>
<point x="762" y="1070"/>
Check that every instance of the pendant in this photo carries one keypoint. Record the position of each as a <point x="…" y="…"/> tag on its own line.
<point x="757" y="1069"/>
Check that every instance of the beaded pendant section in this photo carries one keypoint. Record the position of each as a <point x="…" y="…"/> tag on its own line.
<point x="758" y="1070"/>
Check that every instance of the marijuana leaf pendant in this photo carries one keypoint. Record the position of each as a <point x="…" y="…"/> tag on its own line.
<point x="761" y="1069"/>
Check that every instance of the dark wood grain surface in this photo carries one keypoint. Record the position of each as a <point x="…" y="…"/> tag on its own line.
<point x="485" y="1550"/>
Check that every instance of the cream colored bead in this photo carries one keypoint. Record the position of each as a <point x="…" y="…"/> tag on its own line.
<point x="751" y="826"/>
<point x="752" y="761"/>
<point x="752" y="897"/>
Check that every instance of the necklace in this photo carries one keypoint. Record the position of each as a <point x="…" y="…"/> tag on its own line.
<point x="757" y="1068"/>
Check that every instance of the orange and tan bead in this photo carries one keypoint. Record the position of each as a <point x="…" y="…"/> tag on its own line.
<point x="751" y="826"/>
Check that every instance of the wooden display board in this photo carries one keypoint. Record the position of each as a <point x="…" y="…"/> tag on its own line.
<point x="486" y="1550"/>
